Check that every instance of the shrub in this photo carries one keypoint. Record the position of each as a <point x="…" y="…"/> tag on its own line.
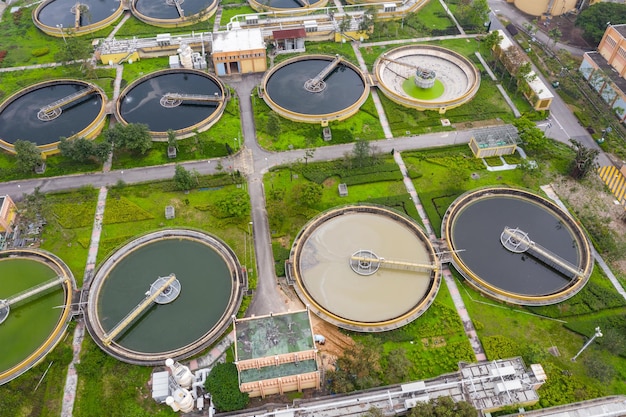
<point x="223" y="384"/>
<point x="40" y="51"/>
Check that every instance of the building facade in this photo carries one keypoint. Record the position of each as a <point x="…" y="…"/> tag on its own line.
<point x="239" y="51"/>
<point x="8" y="212"/>
<point x="605" y="69"/>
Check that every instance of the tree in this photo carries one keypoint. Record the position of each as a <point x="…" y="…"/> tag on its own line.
<point x="361" y="153"/>
<point x="28" y="156"/>
<point x="555" y="34"/>
<point x="594" y="20"/>
<point x="374" y="412"/>
<point x="474" y="13"/>
<point x="368" y="20"/>
<point x="184" y="179"/>
<point x="358" y="367"/>
<point x="531" y="137"/>
<point x="307" y="194"/>
<point x="345" y="24"/>
<point x="233" y="204"/>
<point x="492" y="40"/>
<point x="171" y="139"/>
<point x="308" y="154"/>
<point x="74" y="48"/>
<point x="443" y="407"/>
<point x="584" y="162"/>
<point x="397" y="366"/>
<point x="81" y="149"/>
<point x="223" y="384"/>
<point x="134" y="137"/>
<point x="273" y="125"/>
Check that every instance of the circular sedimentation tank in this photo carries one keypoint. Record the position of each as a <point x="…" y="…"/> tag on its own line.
<point x="209" y="291"/>
<point x="315" y="88"/>
<point x="364" y="268"/>
<point x="45" y="112"/>
<point x="32" y="326"/>
<point x="556" y="265"/>
<point x="173" y="13"/>
<point x="152" y="100"/>
<point x="76" y="17"/>
<point x="457" y="79"/>
<point x="285" y="5"/>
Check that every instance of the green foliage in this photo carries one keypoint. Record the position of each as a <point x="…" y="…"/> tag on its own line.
<point x="233" y="204"/>
<point x="500" y="347"/>
<point x="319" y="172"/>
<point x="563" y="387"/>
<point x="474" y="14"/>
<point x="613" y="329"/>
<point x="358" y="368"/>
<point x="307" y="193"/>
<point x="28" y="156"/>
<point x="443" y="407"/>
<point x="134" y="137"/>
<point x="122" y="210"/>
<point x="223" y="384"/>
<point x="75" y="214"/>
<point x="281" y="254"/>
<point x="593" y="20"/>
<point x="81" y="149"/>
<point x="584" y="161"/>
<point x="185" y="180"/>
<point x="37" y="52"/>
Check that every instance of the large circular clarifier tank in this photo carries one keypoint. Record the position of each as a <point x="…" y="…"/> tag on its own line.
<point x="143" y="102"/>
<point x="315" y="88"/>
<point x="37" y="323"/>
<point x="76" y="17"/>
<point x="458" y="80"/>
<point x="211" y="287"/>
<point x="556" y="266"/>
<point x="167" y="13"/>
<point x="334" y="275"/>
<point x="286" y="5"/>
<point x="76" y="109"/>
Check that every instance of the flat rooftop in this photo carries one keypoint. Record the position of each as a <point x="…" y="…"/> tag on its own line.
<point x="238" y="40"/>
<point x="491" y="137"/>
<point x="272" y="335"/>
<point x="283" y="370"/>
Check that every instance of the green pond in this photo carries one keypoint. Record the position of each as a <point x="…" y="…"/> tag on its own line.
<point x="414" y="91"/>
<point x="206" y="285"/>
<point x="31" y="321"/>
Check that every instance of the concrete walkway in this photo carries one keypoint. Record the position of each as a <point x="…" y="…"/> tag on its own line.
<point x="508" y="100"/>
<point x="71" y="382"/>
<point x="468" y="325"/>
<point x="451" y="16"/>
<point x="119" y="25"/>
<point x="382" y="116"/>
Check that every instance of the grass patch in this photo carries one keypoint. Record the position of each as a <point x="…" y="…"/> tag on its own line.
<point x="365" y="125"/>
<point x="493" y="161"/>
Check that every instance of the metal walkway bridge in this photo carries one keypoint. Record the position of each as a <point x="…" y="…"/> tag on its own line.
<point x="176" y="3"/>
<point x="517" y="241"/>
<point x="365" y="262"/>
<point x="171" y="100"/>
<point x="317" y="84"/>
<point x="5" y="305"/>
<point x="151" y="297"/>
<point x="54" y="109"/>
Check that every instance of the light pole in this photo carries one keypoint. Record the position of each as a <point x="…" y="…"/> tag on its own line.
<point x="60" y="27"/>
<point x="597" y="334"/>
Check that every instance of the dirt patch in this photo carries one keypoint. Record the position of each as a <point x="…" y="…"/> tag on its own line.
<point x="434" y="342"/>
<point x="593" y="198"/>
<point x="336" y="340"/>
<point x="572" y="35"/>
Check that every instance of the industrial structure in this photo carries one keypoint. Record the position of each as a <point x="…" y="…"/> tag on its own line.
<point x="8" y="213"/>
<point x="276" y="353"/>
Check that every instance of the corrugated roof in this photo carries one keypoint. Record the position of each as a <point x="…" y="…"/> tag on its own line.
<point x="288" y="34"/>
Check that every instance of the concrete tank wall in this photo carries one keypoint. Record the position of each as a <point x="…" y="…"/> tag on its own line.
<point x="540" y="7"/>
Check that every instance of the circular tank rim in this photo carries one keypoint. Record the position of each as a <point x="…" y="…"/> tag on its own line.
<point x="201" y="126"/>
<point x="82" y="30"/>
<point x="315" y="118"/>
<point x="201" y="16"/>
<point x="259" y="7"/>
<point x="90" y="132"/>
<point x="119" y="352"/>
<point x="586" y="261"/>
<point x="325" y="314"/>
<point x="54" y="338"/>
<point x="428" y="104"/>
